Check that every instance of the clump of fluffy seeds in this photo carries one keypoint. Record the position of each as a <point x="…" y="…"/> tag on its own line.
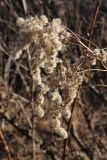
<point x="20" y="21"/>
<point x="56" y="124"/>
<point x="39" y="112"/>
<point x="61" y="132"/>
<point x="53" y="87"/>
<point x="99" y="54"/>
<point x="56" y="97"/>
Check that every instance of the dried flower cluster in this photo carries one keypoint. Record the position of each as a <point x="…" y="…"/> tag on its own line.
<point x="56" y="82"/>
<point x="99" y="54"/>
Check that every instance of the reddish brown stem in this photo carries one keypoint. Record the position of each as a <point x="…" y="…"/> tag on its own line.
<point x="5" y="145"/>
<point x="94" y="21"/>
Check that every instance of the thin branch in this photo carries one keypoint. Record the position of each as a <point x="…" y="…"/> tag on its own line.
<point x="96" y="85"/>
<point x="12" y="59"/>
<point x="94" y="21"/>
<point x="82" y="37"/>
<point x="5" y="145"/>
<point x="8" y="24"/>
<point x="25" y="114"/>
<point x="96" y="69"/>
<point x="21" y="130"/>
<point x="24" y="5"/>
<point x="68" y="129"/>
<point x="103" y="65"/>
<point x="32" y="105"/>
<point x="78" y="40"/>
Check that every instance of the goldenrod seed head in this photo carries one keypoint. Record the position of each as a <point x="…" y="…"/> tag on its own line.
<point x="67" y="112"/>
<point x="44" y="19"/>
<point x="39" y="112"/>
<point x="61" y="132"/>
<point x="20" y="21"/>
<point x="56" y="97"/>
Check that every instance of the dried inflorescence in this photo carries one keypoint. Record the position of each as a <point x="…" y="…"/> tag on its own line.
<point x="56" y="80"/>
<point x="56" y="83"/>
<point x="99" y="54"/>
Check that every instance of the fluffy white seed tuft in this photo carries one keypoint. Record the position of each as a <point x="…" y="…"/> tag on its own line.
<point x="20" y="21"/>
<point x="39" y="112"/>
<point x="56" y="97"/>
<point x="61" y="132"/>
<point x="67" y="112"/>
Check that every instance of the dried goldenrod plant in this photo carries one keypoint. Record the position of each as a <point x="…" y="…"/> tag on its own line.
<point x="56" y="80"/>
